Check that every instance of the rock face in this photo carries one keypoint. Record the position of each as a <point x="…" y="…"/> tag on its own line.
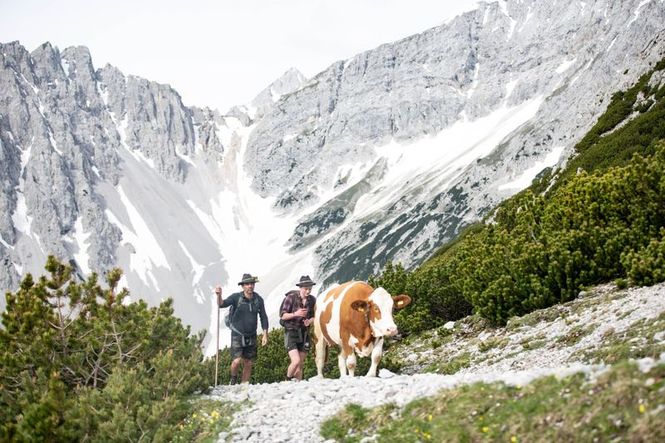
<point x="570" y="57"/>
<point x="384" y="156"/>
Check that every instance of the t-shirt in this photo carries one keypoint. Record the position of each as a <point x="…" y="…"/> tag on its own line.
<point x="245" y="318"/>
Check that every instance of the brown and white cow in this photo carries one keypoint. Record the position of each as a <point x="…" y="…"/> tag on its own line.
<point x="356" y="317"/>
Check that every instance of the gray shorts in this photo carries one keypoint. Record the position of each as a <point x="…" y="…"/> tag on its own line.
<point x="296" y="339"/>
<point x="243" y="347"/>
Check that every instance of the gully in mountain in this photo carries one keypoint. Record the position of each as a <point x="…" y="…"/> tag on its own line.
<point x="296" y="314"/>
<point x="246" y="306"/>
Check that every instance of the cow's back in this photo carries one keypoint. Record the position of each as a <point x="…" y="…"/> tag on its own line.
<point x="335" y="318"/>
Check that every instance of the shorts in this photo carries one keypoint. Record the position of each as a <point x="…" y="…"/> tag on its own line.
<point x="296" y="339"/>
<point x="243" y="347"/>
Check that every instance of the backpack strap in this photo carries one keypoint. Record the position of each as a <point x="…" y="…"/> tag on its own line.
<point x="233" y="316"/>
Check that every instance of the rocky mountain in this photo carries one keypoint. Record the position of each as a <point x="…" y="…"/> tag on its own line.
<point x="384" y="156"/>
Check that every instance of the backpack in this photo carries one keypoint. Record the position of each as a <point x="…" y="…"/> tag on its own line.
<point x="228" y="318"/>
<point x="285" y="323"/>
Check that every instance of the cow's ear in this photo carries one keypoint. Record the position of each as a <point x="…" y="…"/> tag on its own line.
<point x="401" y="301"/>
<point x="360" y="305"/>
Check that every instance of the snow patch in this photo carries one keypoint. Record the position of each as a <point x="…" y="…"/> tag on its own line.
<point x="474" y="82"/>
<point x="503" y="4"/>
<point x="509" y="87"/>
<point x="563" y="67"/>
<point x="637" y="11"/>
<point x="197" y="268"/>
<point x="34" y="88"/>
<point x="4" y="243"/>
<point x="442" y="156"/>
<point x="103" y="93"/>
<point x="22" y="221"/>
<point x="147" y="252"/>
<point x="81" y="239"/>
<point x="528" y="175"/>
<point x="64" y="64"/>
<point x="54" y="144"/>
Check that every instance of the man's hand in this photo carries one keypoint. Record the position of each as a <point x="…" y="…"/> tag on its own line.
<point x="264" y="338"/>
<point x="308" y="321"/>
<point x="302" y="312"/>
<point x="218" y="291"/>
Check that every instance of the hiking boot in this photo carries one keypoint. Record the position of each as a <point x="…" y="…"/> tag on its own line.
<point x="234" y="380"/>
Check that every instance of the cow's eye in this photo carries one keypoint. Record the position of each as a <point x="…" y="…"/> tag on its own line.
<point x="376" y="309"/>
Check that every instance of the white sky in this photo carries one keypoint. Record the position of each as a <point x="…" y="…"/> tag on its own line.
<point x="220" y="53"/>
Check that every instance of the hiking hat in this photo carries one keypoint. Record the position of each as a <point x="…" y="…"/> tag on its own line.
<point x="247" y="278"/>
<point x="305" y="281"/>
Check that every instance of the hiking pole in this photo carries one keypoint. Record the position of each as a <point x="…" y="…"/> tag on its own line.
<point x="218" y="291"/>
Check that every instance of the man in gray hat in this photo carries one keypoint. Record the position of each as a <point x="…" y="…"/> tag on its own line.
<point x="245" y="307"/>
<point x="296" y="314"/>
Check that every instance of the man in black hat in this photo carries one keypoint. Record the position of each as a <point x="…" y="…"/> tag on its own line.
<point x="245" y="307"/>
<point x="296" y="314"/>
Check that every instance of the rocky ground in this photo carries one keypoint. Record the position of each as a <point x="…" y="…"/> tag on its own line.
<point x="602" y="326"/>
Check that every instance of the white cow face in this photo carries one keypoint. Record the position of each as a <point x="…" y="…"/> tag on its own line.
<point x="379" y="311"/>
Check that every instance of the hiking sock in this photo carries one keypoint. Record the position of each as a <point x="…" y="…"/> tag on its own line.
<point x="234" y="380"/>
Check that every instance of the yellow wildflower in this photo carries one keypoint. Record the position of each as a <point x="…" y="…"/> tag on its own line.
<point x="486" y="429"/>
<point x="429" y="417"/>
<point x="513" y="439"/>
<point x="643" y="409"/>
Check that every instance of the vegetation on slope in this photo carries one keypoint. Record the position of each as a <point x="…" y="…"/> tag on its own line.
<point x="602" y="219"/>
<point x="623" y="404"/>
<point x="77" y="363"/>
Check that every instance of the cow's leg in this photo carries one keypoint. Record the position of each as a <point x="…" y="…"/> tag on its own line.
<point x="351" y="363"/>
<point x="320" y="355"/>
<point x="377" y="352"/>
<point x="341" y="362"/>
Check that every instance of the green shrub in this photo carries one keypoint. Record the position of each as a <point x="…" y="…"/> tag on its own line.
<point x="543" y="250"/>
<point x="647" y="266"/>
<point x="76" y="363"/>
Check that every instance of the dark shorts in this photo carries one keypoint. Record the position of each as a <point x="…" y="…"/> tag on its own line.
<point x="296" y="339"/>
<point x="243" y="347"/>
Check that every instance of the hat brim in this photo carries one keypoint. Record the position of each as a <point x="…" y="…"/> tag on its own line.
<point x="305" y="285"/>
<point x="247" y="281"/>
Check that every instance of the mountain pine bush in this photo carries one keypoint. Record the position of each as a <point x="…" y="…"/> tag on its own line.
<point x="78" y="363"/>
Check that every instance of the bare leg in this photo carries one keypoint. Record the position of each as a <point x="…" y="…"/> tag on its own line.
<point x="301" y="365"/>
<point x="292" y="370"/>
<point x="235" y="366"/>
<point x="246" y="370"/>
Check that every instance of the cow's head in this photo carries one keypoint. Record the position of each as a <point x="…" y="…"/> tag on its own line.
<point x="378" y="310"/>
